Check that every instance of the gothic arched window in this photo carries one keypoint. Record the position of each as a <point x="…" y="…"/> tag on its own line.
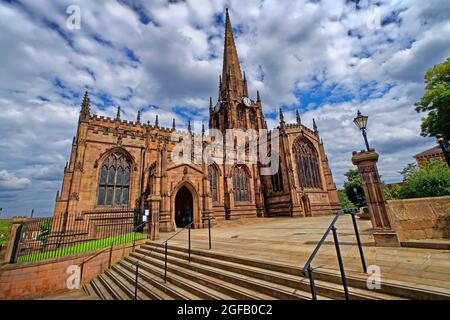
<point x="114" y="184"/>
<point x="240" y="184"/>
<point x="277" y="180"/>
<point x="307" y="162"/>
<point x="213" y="182"/>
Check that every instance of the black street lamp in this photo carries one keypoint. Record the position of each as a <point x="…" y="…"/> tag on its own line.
<point x="361" y="122"/>
<point x="445" y="146"/>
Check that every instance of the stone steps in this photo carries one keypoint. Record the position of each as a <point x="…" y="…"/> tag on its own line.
<point x="212" y="275"/>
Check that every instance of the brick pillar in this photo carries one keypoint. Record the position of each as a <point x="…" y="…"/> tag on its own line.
<point x="383" y="231"/>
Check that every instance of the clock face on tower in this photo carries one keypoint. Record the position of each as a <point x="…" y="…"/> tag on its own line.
<point x="246" y="101"/>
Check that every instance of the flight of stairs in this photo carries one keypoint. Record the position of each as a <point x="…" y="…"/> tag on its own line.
<point x="217" y="276"/>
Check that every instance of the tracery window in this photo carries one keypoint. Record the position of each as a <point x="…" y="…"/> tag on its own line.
<point x="114" y="182"/>
<point x="213" y="182"/>
<point x="240" y="184"/>
<point x="277" y="180"/>
<point x="307" y="162"/>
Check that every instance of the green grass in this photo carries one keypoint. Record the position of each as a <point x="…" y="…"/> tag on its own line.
<point x="81" y="247"/>
<point x="5" y="227"/>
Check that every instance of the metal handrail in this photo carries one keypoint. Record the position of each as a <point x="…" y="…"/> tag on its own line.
<point x="307" y="267"/>
<point x="105" y="249"/>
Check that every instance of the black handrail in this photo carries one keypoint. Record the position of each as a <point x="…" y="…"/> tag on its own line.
<point x="307" y="267"/>
<point x="105" y="249"/>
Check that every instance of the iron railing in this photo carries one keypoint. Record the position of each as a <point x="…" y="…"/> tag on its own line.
<point x="47" y="238"/>
<point x="307" y="268"/>
<point x="165" y="244"/>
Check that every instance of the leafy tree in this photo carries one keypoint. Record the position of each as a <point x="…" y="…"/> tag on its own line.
<point x="344" y="201"/>
<point x="392" y="193"/>
<point x="45" y="228"/>
<point x="409" y="170"/>
<point x="436" y="101"/>
<point x="353" y="188"/>
<point x="432" y="180"/>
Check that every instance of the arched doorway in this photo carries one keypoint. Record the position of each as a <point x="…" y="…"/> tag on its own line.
<point x="306" y="206"/>
<point x="183" y="207"/>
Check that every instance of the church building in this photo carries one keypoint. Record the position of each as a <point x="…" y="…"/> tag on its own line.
<point x="126" y="166"/>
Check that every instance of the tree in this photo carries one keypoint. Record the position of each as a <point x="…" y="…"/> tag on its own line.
<point x="436" y="101"/>
<point x="344" y="201"/>
<point x="409" y="170"/>
<point x="353" y="188"/>
<point x="433" y="180"/>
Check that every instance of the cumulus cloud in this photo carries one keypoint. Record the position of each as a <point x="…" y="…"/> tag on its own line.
<point x="8" y="181"/>
<point x="161" y="57"/>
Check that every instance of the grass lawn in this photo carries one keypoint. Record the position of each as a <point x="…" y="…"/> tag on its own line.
<point x="5" y="227"/>
<point x="81" y="247"/>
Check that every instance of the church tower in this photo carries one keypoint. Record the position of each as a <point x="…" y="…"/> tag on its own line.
<point x="234" y="108"/>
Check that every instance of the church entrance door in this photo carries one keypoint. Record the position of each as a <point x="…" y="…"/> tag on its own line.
<point x="183" y="207"/>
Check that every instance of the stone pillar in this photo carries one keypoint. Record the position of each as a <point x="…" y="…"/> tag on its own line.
<point x="13" y="234"/>
<point x="383" y="231"/>
<point x="154" y="206"/>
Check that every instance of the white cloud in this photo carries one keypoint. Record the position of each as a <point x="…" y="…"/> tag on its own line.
<point x="319" y="56"/>
<point x="8" y="181"/>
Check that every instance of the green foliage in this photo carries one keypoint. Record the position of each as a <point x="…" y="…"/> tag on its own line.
<point x="45" y="227"/>
<point x="392" y="193"/>
<point x="344" y="201"/>
<point x="353" y="188"/>
<point x="433" y="180"/>
<point x="409" y="170"/>
<point x="436" y="101"/>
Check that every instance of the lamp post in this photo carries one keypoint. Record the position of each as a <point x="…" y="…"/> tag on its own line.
<point x="361" y="122"/>
<point x="445" y="146"/>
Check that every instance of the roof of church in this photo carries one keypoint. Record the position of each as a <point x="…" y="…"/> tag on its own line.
<point x="434" y="150"/>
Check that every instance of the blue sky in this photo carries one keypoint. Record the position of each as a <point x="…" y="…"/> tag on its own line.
<point x="326" y="58"/>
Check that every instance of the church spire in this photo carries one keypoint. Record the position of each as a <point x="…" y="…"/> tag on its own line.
<point x="232" y="81"/>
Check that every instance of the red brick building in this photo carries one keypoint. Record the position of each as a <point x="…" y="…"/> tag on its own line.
<point x="118" y="165"/>
<point x="430" y="155"/>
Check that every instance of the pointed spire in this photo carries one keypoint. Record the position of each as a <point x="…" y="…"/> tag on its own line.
<point x="315" y="125"/>
<point x="258" y="97"/>
<point x="245" y="86"/>
<point x="211" y="108"/>
<point x="156" y="122"/>
<point x="297" y="116"/>
<point x="118" y="113"/>
<point x="174" y="126"/>
<point x="231" y="71"/>
<point x="138" y="119"/>
<point x="189" y="127"/>
<point x="203" y="129"/>
<point x="85" y="107"/>
<point x="281" y="116"/>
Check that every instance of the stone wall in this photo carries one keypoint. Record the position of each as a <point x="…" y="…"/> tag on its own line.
<point x="423" y="218"/>
<point x="44" y="278"/>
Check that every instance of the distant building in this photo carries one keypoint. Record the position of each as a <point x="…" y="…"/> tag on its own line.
<point x="429" y="155"/>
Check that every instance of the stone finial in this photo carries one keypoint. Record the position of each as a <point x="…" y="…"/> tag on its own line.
<point x="189" y="127"/>
<point x="258" y="97"/>
<point x="203" y="129"/>
<point x="138" y="119"/>
<point x="156" y="122"/>
<point x="281" y="116"/>
<point x="315" y="125"/>
<point x="211" y="107"/>
<point x="118" y="113"/>
<point x="297" y="115"/>
<point x="85" y="107"/>
<point x="174" y="127"/>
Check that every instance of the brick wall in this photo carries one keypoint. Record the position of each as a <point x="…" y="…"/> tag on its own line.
<point x="424" y="218"/>
<point x="43" y="278"/>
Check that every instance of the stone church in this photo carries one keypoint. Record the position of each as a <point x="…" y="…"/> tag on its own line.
<point x="126" y="166"/>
